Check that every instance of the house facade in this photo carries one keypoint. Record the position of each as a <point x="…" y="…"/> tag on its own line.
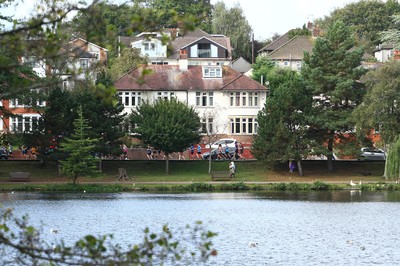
<point x="194" y="69"/>
<point x="80" y="59"/>
<point x="200" y="47"/>
<point x="227" y="101"/>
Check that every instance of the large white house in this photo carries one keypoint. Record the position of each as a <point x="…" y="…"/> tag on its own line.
<point x="195" y="71"/>
<point x="226" y="100"/>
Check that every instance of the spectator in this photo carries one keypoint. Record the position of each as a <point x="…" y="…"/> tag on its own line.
<point x="232" y="169"/>
<point x="198" y="151"/>
<point x="149" y="156"/>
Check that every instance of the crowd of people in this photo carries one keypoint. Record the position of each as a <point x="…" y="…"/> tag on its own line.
<point x="26" y="153"/>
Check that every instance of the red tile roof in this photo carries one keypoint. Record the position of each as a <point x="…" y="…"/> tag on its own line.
<point x="169" y="77"/>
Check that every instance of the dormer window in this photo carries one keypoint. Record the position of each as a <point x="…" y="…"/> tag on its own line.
<point x="212" y="72"/>
<point x="149" y="46"/>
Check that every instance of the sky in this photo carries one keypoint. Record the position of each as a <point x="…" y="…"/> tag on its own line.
<point x="267" y="17"/>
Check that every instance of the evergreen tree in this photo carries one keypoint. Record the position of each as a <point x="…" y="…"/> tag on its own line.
<point x="79" y="147"/>
<point x="282" y="133"/>
<point x="332" y="71"/>
<point x="168" y="125"/>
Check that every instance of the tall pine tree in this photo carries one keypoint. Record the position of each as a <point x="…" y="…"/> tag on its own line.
<point x="332" y="72"/>
<point x="80" y="160"/>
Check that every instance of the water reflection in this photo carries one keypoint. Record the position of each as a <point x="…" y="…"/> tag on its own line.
<point x="292" y="228"/>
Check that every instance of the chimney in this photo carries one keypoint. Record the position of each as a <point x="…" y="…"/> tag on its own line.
<point x="183" y="60"/>
<point x="316" y="32"/>
<point x="310" y="26"/>
<point x="173" y="33"/>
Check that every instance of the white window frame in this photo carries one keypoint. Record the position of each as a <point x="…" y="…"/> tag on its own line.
<point x="204" y="99"/>
<point x="84" y="63"/>
<point x="243" y="125"/>
<point x="130" y="98"/>
<point x="165" y="95"/>
<point x="25" y="123"/>
<point x="207" y="125"/>
<point x="212" y="72"/>
<point x="243" y="99"/>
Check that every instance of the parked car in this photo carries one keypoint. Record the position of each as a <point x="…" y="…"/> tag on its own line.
<point x="372" y="154"/>
<point x="224" y="142"/>
<point x="3" y="155"/>
<point x="214" y="154"/>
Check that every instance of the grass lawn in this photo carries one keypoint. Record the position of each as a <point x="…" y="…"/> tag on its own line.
<point x="197" y="171"/>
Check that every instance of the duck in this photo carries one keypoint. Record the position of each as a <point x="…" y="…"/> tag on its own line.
<point x="253" y="244"/>
<point x="54" y="230"/>
<point x="352" y="183"/>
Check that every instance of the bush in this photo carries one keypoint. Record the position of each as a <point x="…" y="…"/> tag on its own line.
<point x="318" y="185"/>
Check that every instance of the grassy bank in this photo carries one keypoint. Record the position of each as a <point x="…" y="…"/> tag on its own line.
<point x="193" y="176"/>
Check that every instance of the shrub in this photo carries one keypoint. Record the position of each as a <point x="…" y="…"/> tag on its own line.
<point x="319" y="185"/>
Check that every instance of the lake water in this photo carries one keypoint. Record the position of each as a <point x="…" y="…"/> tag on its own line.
<point x="292" y="228"/>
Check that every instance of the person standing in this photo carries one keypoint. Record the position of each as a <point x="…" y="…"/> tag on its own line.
<point x="241" y="151"/>
<point x="292" y="166"/>
<point x="198" y="151"/>
<point x="149" y="156"/>
<point x="232" y="169"/>
<point x="10" y="150"/>
<point x="191" y="151"/>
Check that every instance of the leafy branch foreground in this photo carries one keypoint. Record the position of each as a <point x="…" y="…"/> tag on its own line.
<point x="22" y="244"/>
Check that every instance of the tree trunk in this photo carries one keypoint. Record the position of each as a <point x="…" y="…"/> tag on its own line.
<point x="299" y="165"/>
<point x="330" y="155"/>
<point x="100" y="166"/>
<point x="209" y="157"/>
<point x="167" y="163"/>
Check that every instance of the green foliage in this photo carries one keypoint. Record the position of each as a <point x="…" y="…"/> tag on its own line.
<point x="79" y="147"/>
<point x="319" y="185"/>
<point x="393" y="160"/>
<point x="197" y="187"/>
<point x="232" y="23"/>
<point x="199" y="9"/>
<point x="282" y="133"/>
<point x="333" y="72"/>
<point x="299" y="32"/>
<point x="130" y="58"/>
<point x="24" y="245"/>
<point x="380" y="109"/>
<point x="168" y="125"/>
<point x="367" y="18"/>
<point x="261" y="71"/>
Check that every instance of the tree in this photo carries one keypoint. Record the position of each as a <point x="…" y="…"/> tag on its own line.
<point x="199" y="9"/>
<point x="299" y="32"/>
<point x="261" y="69"/>
<point x="232" y="23"/>
<point x="332" y="72"/>
<point x="24" y="245"/>
<point x="130" y="58"/>
<point x="366" y="17"/>
<point x="379" y="108"/>
<point x="168" y="125"/>
<point x="392" y="35"/>
<point x="282" y="133"/>
<point x="80" y="160"/>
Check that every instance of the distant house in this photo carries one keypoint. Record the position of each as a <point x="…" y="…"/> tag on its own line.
<point x="241" y="65"/>
<point x="201" y="48"/>
<point x="269" y="48"/>
<point x="291" y="54"/>
<point x="77" y="59"/>
<point x="385" y="52"/>
<point x="227" y="101"/>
